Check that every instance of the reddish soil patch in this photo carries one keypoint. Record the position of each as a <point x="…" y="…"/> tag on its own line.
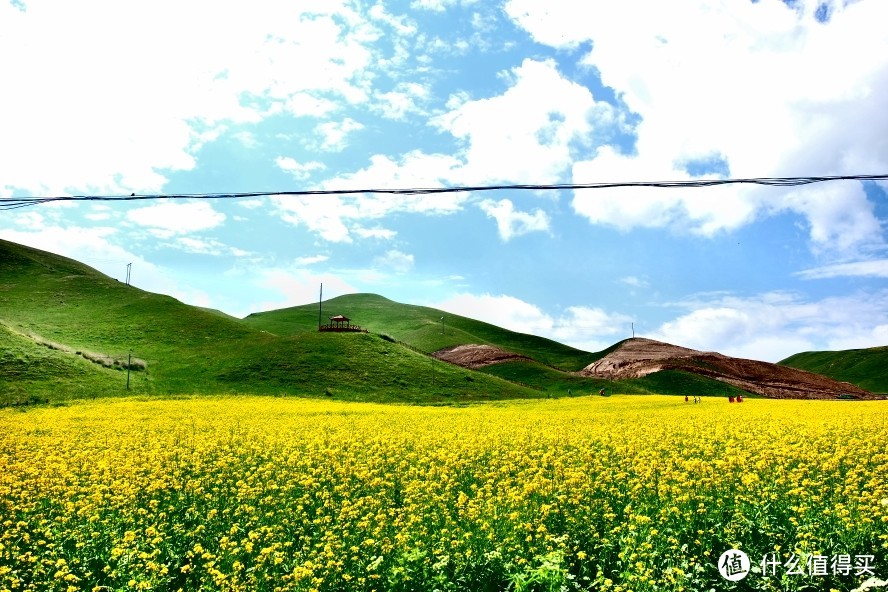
<point x="476" y="356"/>
<point x="638" y="357"/>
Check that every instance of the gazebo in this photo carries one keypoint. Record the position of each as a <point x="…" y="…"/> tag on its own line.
<point x="340" y="323"/>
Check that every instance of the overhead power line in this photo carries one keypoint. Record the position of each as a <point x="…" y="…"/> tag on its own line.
<point x="9" y="203"/>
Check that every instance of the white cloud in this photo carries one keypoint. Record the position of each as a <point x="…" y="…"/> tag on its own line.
<point x="293" y="287"/>
<point x="511" y="222"/>
<point x="310" y="260"/>
<point x="334" y="134"/>
<point x="396" y="260"/>
<point x="498" y="145"/>
<point x="587" y="328"/>
<point x="401" y="101"/>
<point x="762" y="85"/>
<point x="167" y="219"/>
<point x="875" y="268"/>
<point x="300" y="171"/>
<point x="206" y="246"/>
<point x="304" y="104"/>
<point x="525" y="134"/>
<point x="775" y="325"/>
<point x="251" y="204"/>
<point x="377" y="232"/>
<point x="438" y="5"/>
<point x="634" y="282"/>
<point x="99" y="214"/>
<point x="101" y="105"/>
<point x="335" y="218"/>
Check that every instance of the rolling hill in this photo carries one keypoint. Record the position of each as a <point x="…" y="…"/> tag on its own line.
<point x="54" y="309"/>
<point x="867" y="368"/>
<point x="67" y="330"/>
<point x="420" y="327"/>
<point x="638" y="357"/>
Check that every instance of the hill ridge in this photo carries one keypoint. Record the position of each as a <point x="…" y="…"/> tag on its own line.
<point x="193" y="350"/>
<point x="638" y="357"/>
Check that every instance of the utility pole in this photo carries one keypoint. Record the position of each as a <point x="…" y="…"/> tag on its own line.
<point x="442" y="325"/>
<point x="633" y="330"/>
<point x="320" y="300"/>
<point x="129" y="268"/>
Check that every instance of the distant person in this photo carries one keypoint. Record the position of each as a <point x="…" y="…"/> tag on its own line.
<point x="686" y="399"/>
<point x="739" y="398"/>
<point x="731" y="399"/>
<point x="601" y="392"/>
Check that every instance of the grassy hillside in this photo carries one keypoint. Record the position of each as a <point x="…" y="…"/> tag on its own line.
<point x="56" y="313"/>
<point x="421" y="327"/>
<point x="33" y="373"/>
<point x="867" y="368"/>
<point x="45" y="298"/>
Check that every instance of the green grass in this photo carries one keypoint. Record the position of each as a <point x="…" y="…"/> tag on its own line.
<point x="45" y="298"/>
<point x="867" y="368"/>
<point x="420" y="327"/>
<point x="193" y="350"/>
<point x="32" y="373"/>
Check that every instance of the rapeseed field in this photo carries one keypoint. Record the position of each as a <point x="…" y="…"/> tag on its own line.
<point x="618" y="493"/>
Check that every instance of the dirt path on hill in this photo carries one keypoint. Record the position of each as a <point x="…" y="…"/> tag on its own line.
<point x="476" y="356"/>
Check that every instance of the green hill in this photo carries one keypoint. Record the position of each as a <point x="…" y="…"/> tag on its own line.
<point x="866" y="368"/>
<point x="419" y="326"/>
<point x="35" y="373"/>
<point x="67" y="330"/>
<point x="55" y="311"/>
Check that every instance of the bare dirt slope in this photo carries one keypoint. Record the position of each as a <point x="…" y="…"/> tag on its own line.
<point x="638" y="357"/>
<point x="476" y="356"/>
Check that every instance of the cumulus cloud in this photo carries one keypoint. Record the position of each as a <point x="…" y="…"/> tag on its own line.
<point x="301" y="171"/>
<point x="310" y="260"/>
<point x="337" y="218"/>
<point x="107" y="108"/>
<point x="168" y="219"/>
<point x="396" y="260"/>
<point x="587" y="328"/>
<point x="526" y="134"/>
<point x="206" y="246"/>
<point x="765" y="88"/>
<point x="292" y="287"/>
<point x="775" y="325"/>
<point x="334" y="134"/>
<point x="511" y="222"/>
<point x="496" y="145"/>
<point x="406" y="98"/>
<point x="634" y="282"/>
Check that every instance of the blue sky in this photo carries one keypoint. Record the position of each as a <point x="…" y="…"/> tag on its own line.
<point x="116" y="97"/>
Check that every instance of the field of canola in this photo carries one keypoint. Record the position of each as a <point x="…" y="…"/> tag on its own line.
<point x="618" y="493"/>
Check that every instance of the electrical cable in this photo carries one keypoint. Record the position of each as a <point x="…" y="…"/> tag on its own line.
<point x="10" y="203"/>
